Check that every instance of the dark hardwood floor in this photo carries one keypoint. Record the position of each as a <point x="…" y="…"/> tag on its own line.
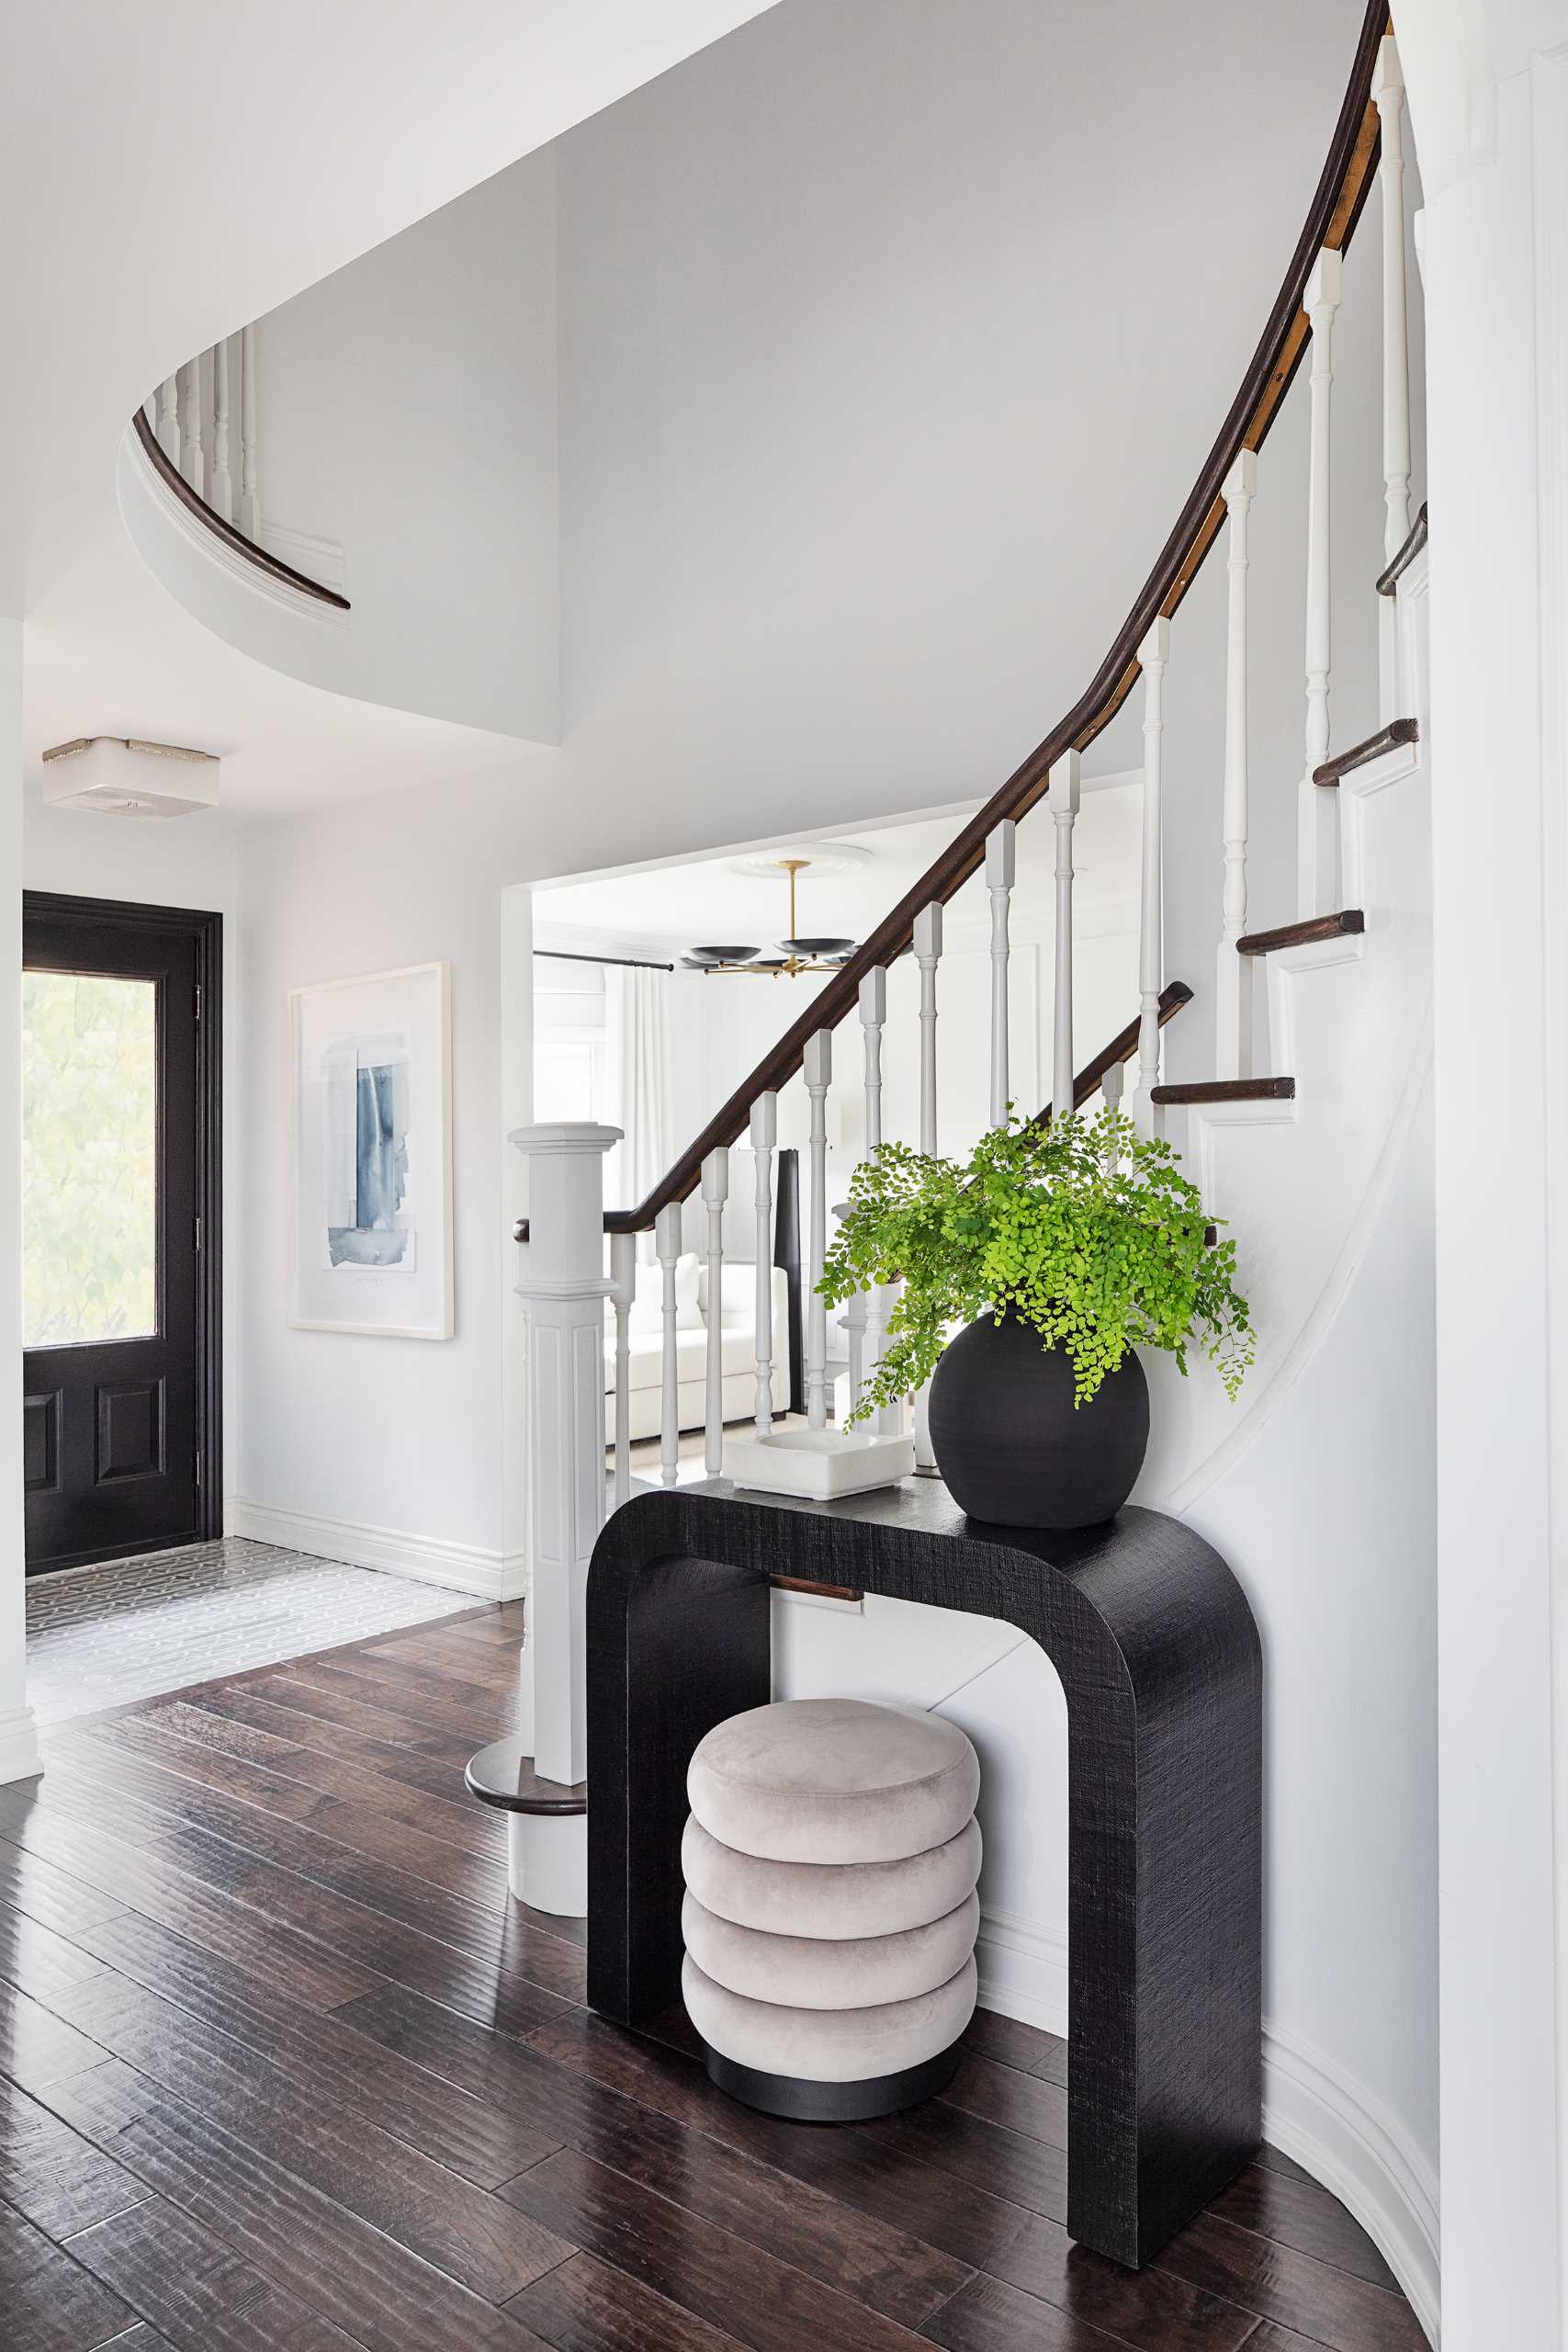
<point x="282" y="2069"/>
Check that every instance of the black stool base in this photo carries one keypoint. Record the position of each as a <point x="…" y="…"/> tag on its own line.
<point x="798" y="2101"/>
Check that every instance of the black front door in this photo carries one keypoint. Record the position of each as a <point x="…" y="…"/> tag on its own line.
<point x="120" y="1228"/>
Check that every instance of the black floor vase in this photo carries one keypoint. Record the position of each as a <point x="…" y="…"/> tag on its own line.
<point x="1009" y="1442"/>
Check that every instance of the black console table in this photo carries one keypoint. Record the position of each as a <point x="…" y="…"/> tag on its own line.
<point x="1159" y="1659"/>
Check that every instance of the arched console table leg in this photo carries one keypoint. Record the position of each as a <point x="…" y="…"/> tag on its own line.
<point x="1159" y="1659"/>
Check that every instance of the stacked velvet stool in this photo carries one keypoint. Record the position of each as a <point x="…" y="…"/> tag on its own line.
<point x="830" y="1863"/>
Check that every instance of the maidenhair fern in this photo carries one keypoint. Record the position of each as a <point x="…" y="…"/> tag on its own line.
<point x="1083" y="1228"/>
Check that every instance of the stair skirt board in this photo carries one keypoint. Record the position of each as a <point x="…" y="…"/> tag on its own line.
<point x="1313" y="2112"/>
<point x="427" y="1559"/>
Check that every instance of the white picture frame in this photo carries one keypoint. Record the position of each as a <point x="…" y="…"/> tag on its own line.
<point x="370" y="1155"/>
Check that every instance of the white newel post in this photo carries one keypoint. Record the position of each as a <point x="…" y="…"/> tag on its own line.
<point x="563" y="1288"/>
<point x="715" y="1192"/>
<point x="667" y="1248"/>
<point x="1153" y="657"/>
<point x="1001" y="866"/>
<point x="819" y="1060"/>
<point x="764" y="1138"/>
<point x="1317" y="841"/>
<point x="220" y="494"/>
<point x="1063" y="794"/>
<point x="1233" y="989"/>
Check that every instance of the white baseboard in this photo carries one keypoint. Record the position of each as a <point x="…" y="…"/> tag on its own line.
<point x="20" y="1757"/>
<point x="1313" y="2111"/>
<point x="429" y="1559"/>
<point x="1317" y="2112"/>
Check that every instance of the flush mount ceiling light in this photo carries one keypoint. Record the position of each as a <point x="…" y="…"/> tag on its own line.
<point x="123" y="776"/>
<point x="797" y="955"/>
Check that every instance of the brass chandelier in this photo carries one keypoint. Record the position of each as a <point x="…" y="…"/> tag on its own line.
<point x="795" y="957"/>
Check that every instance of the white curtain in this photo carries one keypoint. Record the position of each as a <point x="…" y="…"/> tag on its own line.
<point x="637" y="1041"/>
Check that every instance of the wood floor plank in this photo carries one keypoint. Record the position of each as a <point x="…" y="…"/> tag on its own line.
<point x="1301" y="2214"/>
<point x="1001" y="2095"/>
<point x="37" y="1961"/>
<point x="37" y="2047"/>
<point x="431" y="1647"/>
<point x="350" y="2272"/>
<point x="1291" y="2289"/>
<point x="203" y="2296"/>
<point x="51" y="2175"/>
<point x="587" y="2306"/>
<point x="273" y="1703"/>
<point x="37" y="1889"/>
<point x="485" y="2142"/>
<point x="155" y="1886"/>
<point x="400" y="1758"/>
<point x="988" y="2316"/>
<point x="428" y="1693"/>
<point x="125" y="1749"/>
<point x="1007" y="2042"/>
<point x="48" y="2303"/>
<point x="880" y="2265"/>
<point x="760" y="2301"/>
<point x="321" y="1775"/>
<point x="484" y="2242"/>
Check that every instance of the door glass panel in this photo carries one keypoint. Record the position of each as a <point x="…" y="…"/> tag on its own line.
<point x="89" y="1158"/>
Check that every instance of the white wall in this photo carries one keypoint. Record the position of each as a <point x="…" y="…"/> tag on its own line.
<point x="18" y="1740"/>
<point x="407" y="422"/>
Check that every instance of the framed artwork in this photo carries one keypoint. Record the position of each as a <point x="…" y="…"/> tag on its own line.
<point x="370" y="1215"/>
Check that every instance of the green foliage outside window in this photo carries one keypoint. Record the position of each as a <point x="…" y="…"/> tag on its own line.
<point x="89" y="1158"/>
<point x="1082" y="1227"/>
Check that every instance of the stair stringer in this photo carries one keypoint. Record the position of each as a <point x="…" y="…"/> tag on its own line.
<point x="1298" y="1184"/>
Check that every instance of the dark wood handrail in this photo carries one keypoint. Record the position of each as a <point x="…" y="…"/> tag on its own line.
<point x="273" y="565"/>
<point x="1342" y="189"/>
<point x="1121" y="1048"/>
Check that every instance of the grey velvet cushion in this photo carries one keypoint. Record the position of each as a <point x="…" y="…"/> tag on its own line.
<point x="833" y="1781"/>
<point x="827" y="2045"/>
<point x="830" y="1899"/>
<point x="805" y="1973"/>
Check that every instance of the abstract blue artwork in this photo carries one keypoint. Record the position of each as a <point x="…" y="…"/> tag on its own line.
<point x="372" y="1155"/>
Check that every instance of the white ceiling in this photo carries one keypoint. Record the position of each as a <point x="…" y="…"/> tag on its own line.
<point x="704" y="901"/>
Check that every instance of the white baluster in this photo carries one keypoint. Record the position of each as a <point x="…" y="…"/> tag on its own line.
<point x="928" y="955"/>
<point x="250" y="490"/>
<point x="169" y="419"/>
<point x="1153" y="655"/>
<point x="1233" y="994"/>
<point x="818" y="1078"/>
<point x="764" y="1136"/>
<point x="192" y="463"/>
<point x="1064" y="797"/>
<point x="1318" y="832"/>
<point x="667" y="1245"/>
<point x="715" y="1192"/>
<point x="563" y="1288"/>
<point x="623" y="1290"/>
<point x="220" y="493"/>
<point x="1002" y="864"/>
<point x="1388" y="95"/>
<point x="1110" y="1094"/>
<point x="866" y="1322"/>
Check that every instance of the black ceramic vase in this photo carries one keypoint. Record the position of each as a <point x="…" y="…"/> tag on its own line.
<point x="1009" y="1442"/>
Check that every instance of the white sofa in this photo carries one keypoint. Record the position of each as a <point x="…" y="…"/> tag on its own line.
<point x="738" y="1323"/>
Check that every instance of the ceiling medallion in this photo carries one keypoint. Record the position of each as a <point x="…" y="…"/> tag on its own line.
<point x="796" y="956"/>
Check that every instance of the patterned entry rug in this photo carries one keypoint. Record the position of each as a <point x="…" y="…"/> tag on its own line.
<point x="104" y="1636"/>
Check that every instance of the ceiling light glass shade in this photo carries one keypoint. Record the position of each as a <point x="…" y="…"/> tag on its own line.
<point x="817" y="946"/>
<point x="721" y="955"/>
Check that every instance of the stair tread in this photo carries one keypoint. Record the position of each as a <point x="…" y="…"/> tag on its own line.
<point x="1345" y="924"/>
<point x="1227" y="1089"/>
<point x="1397" y="731"/>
